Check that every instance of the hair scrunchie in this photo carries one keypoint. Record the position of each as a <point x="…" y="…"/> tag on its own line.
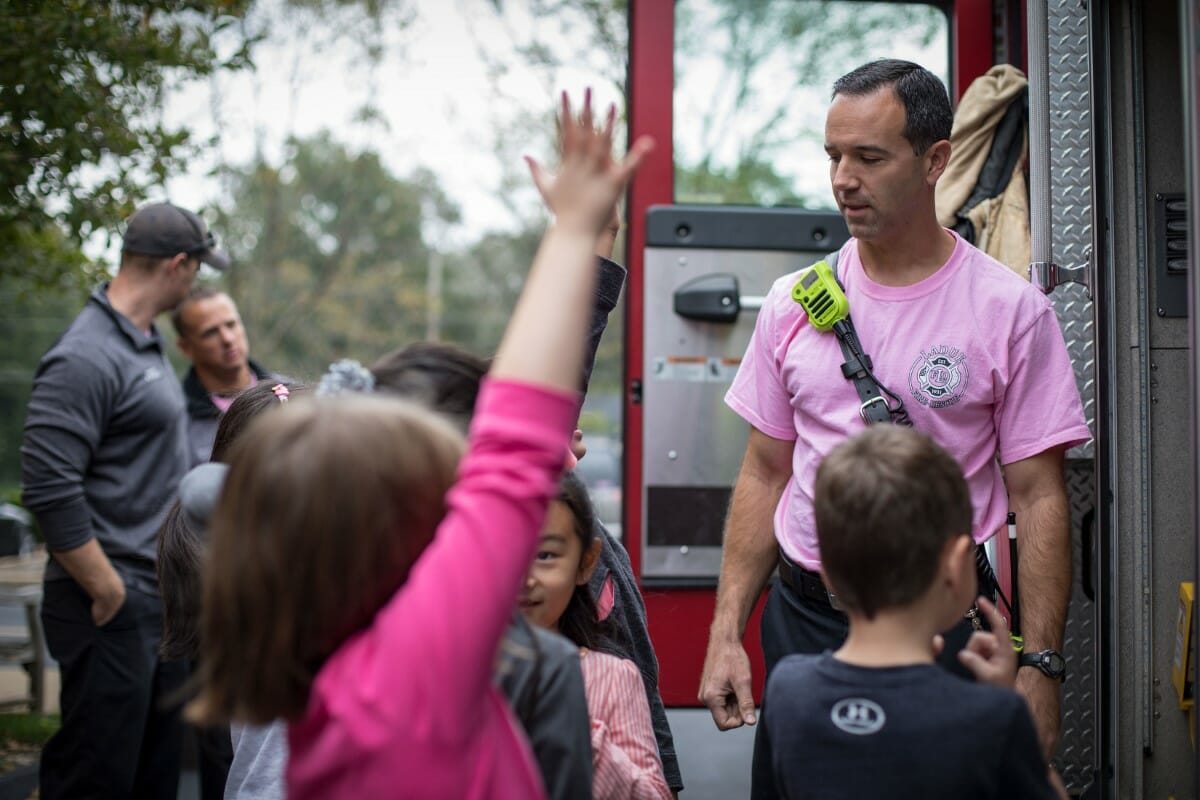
<point x="344" y="376"/>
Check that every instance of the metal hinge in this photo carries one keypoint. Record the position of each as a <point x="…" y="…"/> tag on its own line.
<point x="1046" y="275"/>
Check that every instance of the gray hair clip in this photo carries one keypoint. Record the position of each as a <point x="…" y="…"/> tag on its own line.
<point x="343" y="376"/>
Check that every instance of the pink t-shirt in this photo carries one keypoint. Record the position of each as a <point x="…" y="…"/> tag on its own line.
<point x="974" y="351"/>
<point x="223" y="402"/>
<point x="406" y="708"/>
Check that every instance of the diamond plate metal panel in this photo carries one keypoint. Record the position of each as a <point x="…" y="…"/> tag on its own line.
<point x="1071" y="185"/>
<point x="1071" y="188"/>
<point x="1078" y="754"/>
<point x="1071" y="236"/>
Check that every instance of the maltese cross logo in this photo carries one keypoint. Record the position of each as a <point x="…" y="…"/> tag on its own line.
<point x="938" y="378"/>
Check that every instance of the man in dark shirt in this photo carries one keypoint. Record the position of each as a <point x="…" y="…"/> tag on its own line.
<point x="213" y="338"/>
<point x="104" y="449"/>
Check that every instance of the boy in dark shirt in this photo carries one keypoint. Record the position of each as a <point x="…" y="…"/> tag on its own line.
<point x="878" y="718"/>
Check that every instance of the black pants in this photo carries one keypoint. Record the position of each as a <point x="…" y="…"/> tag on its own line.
<point x="214" y="754"/>
<point x="795" y="624"/>
<point x="118" y="739"/>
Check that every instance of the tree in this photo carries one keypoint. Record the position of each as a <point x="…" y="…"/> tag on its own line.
<point x="483" y="283"/>
<point x="24" y="337"/>
<point x="752" y="81"/>
<point x="330" y="261"/>
<point x="81" y="87"/>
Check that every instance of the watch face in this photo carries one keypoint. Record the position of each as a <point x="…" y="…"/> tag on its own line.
<point x="1053" y="663"/>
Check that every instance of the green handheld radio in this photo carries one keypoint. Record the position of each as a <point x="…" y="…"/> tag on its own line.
<point x="819" y="294"/>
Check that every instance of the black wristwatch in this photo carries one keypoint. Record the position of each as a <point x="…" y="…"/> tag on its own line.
<point x="1049" y="662"/>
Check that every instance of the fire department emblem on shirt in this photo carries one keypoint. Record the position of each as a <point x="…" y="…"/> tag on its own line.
<point x="938" y="377"/>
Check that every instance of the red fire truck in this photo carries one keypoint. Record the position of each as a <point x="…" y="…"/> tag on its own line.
<point x="1114" y="174"/>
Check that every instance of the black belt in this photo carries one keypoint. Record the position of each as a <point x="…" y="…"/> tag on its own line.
<point x="806" y="583"/>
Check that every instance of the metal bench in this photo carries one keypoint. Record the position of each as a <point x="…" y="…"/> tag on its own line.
<point x="21" y="586"/>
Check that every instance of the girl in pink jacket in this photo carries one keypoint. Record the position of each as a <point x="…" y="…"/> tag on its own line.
<point x="362" y="570"/>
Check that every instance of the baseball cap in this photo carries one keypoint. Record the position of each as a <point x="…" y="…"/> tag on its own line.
<point x="163" y="230"/>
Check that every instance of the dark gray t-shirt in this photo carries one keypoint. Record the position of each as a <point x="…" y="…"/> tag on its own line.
<point x="105" y="441"/>
<point x="835" y="731"/>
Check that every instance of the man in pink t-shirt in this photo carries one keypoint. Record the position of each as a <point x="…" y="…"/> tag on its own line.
<point x="973" y="351"/>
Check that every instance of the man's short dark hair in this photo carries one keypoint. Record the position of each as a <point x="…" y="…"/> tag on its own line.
<point x="927" y="115"/>
<point x="194" y="295"/>
<point x="886" y="502"/>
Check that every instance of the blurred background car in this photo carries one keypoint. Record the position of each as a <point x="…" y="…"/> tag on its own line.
<point x="600" y="470"/>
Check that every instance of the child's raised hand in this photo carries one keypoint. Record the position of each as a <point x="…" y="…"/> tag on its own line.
<point x="584" y="194"/>
<point x="989" y="655"/>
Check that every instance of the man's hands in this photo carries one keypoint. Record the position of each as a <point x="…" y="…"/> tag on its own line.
<point x="107" y="601"/>
<point x="92" y="570"/>
<point x="747" y="560"/>
<point x="725" y="685"/>
<point x="989" y="654"/>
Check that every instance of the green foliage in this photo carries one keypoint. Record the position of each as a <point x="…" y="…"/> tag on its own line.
<point x="29" y="324"/>
<point x="747" y="181"/>
<point x="766" y="68"/>
<point x="329" y="256"/>
<point x="31" y="728"/>
<point x="483" y="282"/>
<point x="81" y="90"/>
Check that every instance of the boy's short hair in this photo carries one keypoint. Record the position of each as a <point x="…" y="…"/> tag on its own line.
<point x="886" y="502"/>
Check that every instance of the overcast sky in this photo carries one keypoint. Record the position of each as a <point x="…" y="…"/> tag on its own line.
<point x="440" y="106"/>
<point x="433" y="89"/>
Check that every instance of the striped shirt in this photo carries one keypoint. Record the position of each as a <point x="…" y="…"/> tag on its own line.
<point x="625" y="763"/>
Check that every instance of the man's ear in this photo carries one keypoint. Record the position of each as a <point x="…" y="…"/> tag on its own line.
<point x="182" y="341"/>
<point x="587" y="564"/>
<point x="936" y="159"/>
<point x="178" y="262"/>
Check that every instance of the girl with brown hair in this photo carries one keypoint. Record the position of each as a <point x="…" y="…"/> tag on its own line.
<point x="335" y="615"/>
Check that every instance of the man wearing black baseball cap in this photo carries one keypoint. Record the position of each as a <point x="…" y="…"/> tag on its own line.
<point x="104" y="449"/>
<point x="164" y="230"/>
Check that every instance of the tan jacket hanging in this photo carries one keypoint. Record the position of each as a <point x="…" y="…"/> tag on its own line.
<point x="1001" y="223"/>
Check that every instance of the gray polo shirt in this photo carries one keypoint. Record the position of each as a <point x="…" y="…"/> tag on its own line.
<point x="105" y="441"/>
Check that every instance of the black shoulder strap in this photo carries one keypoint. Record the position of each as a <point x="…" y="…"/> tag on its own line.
<point x="876" y="409"/>
<point x="857" y="369"/>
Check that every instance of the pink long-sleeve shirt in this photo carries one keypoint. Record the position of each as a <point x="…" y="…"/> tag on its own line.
<point x="406" y="708"/>
<point x="625" y="763"/>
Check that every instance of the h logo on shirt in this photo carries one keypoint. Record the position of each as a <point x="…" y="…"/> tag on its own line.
<point x="858" y="716"/>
